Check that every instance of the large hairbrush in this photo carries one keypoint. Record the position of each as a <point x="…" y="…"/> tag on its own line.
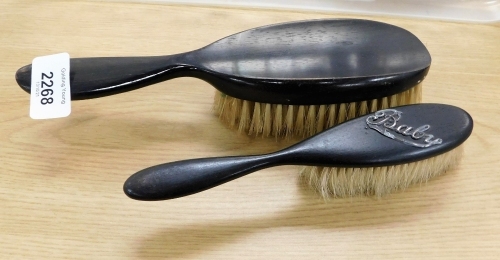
<point x="371" y="155"/>
<point x="293" y="78"/>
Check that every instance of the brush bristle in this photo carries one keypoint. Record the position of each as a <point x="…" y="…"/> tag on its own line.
<point x="278" y="120"/>
<point x="332" y="182"/>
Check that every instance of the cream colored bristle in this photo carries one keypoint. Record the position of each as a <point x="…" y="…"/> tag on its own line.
<point x="393" y="100"/>
<point x="263" y="119"/>
<point x="300" y="121"/>
<point x="310" y="124"/>
<point x="352" y="111"/>
<point x="257" y="120"/>
<point x="321" y="118"/>
<point x="331" y="182"/>
<point x="363" y="107"/>
<point x="289" y="119"/>
<point x="268" y="120"/>
<point x="278" y="120"/>
<point x="342" y="113"/>
<point x="384" y="102"/>
<point x="332" y="115"/>
<point x="374" y="105"/>
<point x="244" y="122"/>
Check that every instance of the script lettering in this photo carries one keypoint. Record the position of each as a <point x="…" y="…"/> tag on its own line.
<point x="386" y="121"/>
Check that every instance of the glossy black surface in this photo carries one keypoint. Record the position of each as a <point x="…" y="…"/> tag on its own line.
<point x="355" y="143"/>
<point x="305" y="62"/>
<point x="104" y="76"/>
<point x="318" y="49"/>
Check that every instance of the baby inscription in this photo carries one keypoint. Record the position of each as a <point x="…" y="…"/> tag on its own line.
<point x="386" y="122"/>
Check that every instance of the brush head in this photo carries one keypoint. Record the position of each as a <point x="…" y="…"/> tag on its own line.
<point x="388" y="150"/>
<point x="387" y="137"/>
<point x="315" y="62"/>
<point x="303" y="77"/>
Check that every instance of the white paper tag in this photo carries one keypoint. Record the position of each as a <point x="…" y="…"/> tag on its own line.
<point x="50" y="90"/>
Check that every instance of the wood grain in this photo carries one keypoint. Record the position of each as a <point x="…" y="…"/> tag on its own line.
<point x="61" y="180"/>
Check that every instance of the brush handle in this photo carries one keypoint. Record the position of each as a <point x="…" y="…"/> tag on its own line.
<point x="103" y="76"/>
<point x="182" y="178"/>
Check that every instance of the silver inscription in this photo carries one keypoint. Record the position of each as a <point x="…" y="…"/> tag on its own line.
<point x="386" y="122"/>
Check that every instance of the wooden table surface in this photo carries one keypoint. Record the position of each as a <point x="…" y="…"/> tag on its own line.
<point x="61" y="180"/>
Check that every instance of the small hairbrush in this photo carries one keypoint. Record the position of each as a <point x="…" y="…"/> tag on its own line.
<point x="372" y="155"/>
<point x="295" y="78"/>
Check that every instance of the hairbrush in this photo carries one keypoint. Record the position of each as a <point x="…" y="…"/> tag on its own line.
<point x="295" y="78"/>
<point x="371" y="155"/>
